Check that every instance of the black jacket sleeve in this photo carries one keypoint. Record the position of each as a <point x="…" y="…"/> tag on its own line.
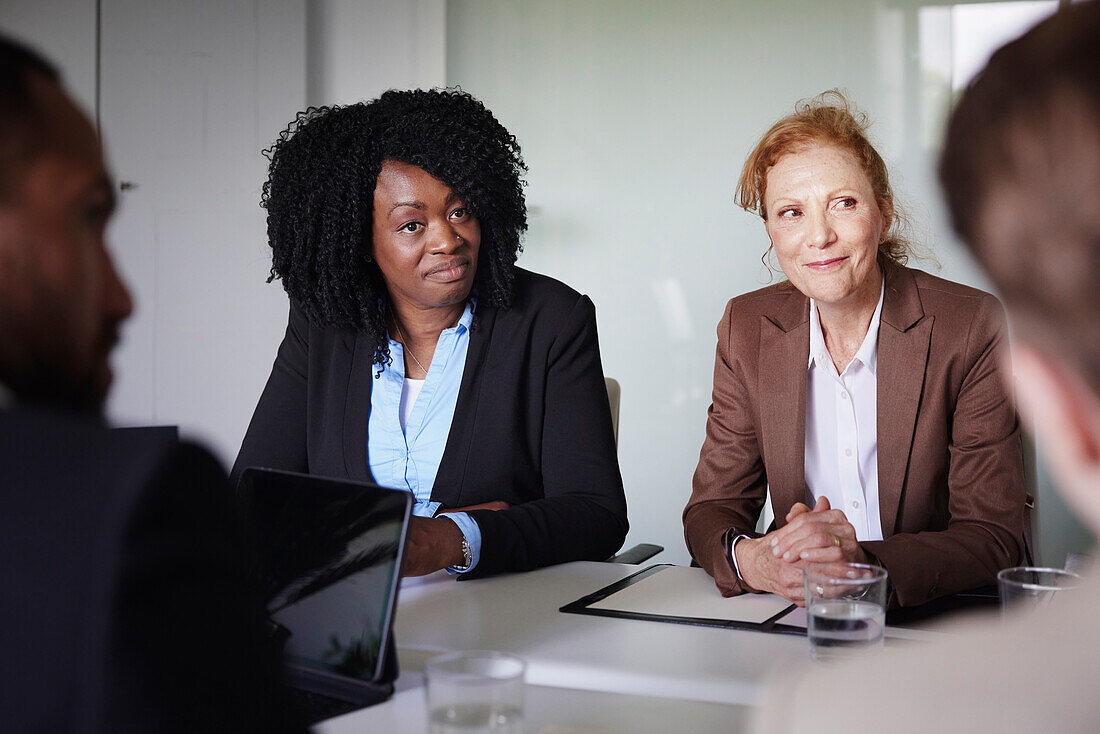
<point x="276" y="436"/>
<point x="582" y="515"/>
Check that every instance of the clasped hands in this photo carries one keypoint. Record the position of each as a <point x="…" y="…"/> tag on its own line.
<point x="436" y="542"/>
<point x="775" y="561"/>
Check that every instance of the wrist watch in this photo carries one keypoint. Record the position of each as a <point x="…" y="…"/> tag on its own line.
<point x="467" y="555"/>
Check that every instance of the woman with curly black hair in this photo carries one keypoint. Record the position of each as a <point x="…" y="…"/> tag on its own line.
<point x="417" y="354"/>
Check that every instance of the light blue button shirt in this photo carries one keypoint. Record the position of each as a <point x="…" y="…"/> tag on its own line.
<point x="409" y="459"/>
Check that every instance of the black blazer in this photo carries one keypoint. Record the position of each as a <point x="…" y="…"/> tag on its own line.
<point x="532" y="425"/>
<point x="126" y="603"/>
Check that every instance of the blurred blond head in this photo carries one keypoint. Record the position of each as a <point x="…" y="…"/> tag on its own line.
<point x="1021" y="172"/>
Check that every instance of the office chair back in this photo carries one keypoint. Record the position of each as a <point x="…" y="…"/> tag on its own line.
<point x="613" y="393"/>
<point x="642" y="551"/>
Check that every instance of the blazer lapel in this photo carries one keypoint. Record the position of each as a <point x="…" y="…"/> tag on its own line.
<point x="452" y="469"/>
<point x="784" y="350"/>
<point x="904" y="335"/>
<point x="357" y="406"/>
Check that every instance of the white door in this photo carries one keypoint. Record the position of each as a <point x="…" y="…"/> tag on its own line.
<point x="190" y="94"/>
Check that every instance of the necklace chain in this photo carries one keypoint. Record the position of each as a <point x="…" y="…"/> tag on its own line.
<point x="405" y="343"/>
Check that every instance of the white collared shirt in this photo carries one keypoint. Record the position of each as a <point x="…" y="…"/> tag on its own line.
<point x="841" y="452"/>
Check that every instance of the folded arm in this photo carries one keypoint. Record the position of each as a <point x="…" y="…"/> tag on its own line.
<point x="730" y="485"/>
<point x="582" y="513"/>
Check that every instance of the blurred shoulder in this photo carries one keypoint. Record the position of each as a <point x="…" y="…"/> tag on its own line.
<point x="56" y="451"/>
<point x="971" y="670"/>
<point x="88" y="490"/>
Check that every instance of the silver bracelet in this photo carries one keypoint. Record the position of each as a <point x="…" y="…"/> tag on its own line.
<point x="467" y="555"/>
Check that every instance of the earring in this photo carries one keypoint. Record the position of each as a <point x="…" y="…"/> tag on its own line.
<point x="370" y="259"/>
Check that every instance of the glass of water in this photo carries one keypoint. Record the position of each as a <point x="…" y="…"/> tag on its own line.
<point x="846" y="608"/>
<point x="475" y="692"/>
<point x="1026" y="589"/>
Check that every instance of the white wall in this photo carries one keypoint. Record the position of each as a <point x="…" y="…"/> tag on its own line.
<point x="190" y="95"/>
<point x="360" y="48"/>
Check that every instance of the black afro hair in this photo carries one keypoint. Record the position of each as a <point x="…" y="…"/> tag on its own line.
<point x="319" y="197"/>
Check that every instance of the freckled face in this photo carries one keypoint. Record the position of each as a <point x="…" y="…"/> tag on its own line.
<point x="825" y="224"/>
<point x="423" y="238"/>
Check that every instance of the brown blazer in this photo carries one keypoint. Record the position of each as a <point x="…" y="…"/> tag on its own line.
<point x="950" y="463"/>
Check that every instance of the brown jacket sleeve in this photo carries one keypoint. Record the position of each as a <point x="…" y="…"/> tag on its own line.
<point x="951" y="539"/>
<point x="730" y="484"/>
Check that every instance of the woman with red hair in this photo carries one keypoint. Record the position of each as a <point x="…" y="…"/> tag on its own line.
<point x="866" y="397"/>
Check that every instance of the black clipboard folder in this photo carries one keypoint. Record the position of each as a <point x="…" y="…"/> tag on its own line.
<point x="583" y="606"/>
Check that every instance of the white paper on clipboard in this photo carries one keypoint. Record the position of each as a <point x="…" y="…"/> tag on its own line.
<point x="682" y="591"/>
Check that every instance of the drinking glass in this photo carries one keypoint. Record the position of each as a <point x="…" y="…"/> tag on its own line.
<point x="475" y="692"/>
<point x="846" y="609"/>
<point x="1025" y="589"/>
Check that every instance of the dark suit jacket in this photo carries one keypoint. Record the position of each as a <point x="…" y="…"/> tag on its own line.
<point x="126" y="606"/>
<point x="532" y="425"/>
<point x="950" y="466"/>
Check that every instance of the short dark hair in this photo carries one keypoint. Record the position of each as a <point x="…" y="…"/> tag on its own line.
<point x="1021" y="173"/>
<point x="19" y="115"/>
<point x="319" y="197"/>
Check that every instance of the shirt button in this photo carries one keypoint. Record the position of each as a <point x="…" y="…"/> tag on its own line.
<point x="855" y="504"/>
<point x="844" y="395"/>
<point x="847" y="452"/>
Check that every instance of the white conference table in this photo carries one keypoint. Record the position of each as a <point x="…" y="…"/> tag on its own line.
<point x="550" y="710"/>
<point x="585" y="673"/>
<point x="518" y="614"/>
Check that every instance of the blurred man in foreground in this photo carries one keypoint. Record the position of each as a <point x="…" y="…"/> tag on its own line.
<point x="1021" y="170"/>
<point x="126" y="604"/>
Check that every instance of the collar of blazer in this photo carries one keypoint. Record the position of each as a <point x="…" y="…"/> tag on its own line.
<point x="452" y="468"/>
<point x="904" y="336"/>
